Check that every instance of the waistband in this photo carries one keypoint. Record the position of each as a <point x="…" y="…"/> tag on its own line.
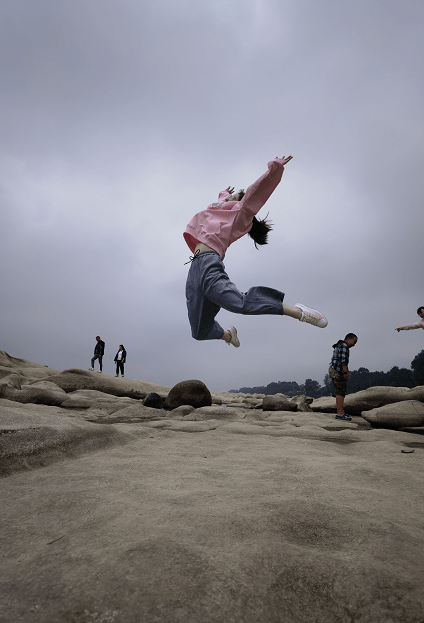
<point x="201" y="248"/>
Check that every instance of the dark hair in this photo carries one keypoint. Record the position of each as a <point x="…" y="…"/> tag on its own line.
<point x="350" y="336"/>
<point x="98" y="336"/>
<point x="259" y="231"/>
<point x="419" y="309"/>
<point x="123" y="347"/>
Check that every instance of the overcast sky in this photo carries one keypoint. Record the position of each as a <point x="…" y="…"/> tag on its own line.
<point x="121" y="120"/>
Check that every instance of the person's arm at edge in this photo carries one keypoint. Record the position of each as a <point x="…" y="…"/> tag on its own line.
<point x="408" y="327"/>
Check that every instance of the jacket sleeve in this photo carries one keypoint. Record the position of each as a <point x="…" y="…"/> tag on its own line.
<point x="223" y="195"/>
<point x="260" y="191"/>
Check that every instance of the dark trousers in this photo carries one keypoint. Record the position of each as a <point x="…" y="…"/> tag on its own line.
<point x="100" y="358"/>
<point x="119" y="366"/>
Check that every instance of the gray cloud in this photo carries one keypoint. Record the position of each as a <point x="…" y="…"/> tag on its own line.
<point x="121" y="120"/>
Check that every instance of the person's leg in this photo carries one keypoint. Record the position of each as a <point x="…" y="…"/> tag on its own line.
<point x="93" y="360"/>
<point x="293" y="312"/>
<point x="117" y="368"/>
<point x="201" y="311"/>
<point x="101" y="362"/>
<point x="340" y="384"/>
<point x="339" y="404"/>
<point x="122" y="369"/>
<point x="220" y="290"/>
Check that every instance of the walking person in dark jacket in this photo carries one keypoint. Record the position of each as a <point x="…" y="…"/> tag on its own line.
<point x="339" y="372"/>
<point x="120" y="359"/>
<point x="99" y="351"/>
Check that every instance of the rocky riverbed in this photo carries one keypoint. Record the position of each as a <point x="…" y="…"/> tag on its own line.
<point x="218" y="507"/>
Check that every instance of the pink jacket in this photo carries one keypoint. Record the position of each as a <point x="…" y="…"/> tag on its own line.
<point x="224" y="222"/>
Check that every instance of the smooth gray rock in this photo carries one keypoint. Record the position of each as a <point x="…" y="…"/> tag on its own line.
<point x="134" y="413"/>
<point x="34" y="395"/>
<point x="379" y="396"/>
<point x="302" y="402"/>
<point x="325" y="404"/>
<point x="30" y="440"/>
<point x="76" y="379"/>
<point x="215" y="413"/>
<point x="278" y="402"/>
<point x="181" y="411"/>
<point x="397" y="415"/>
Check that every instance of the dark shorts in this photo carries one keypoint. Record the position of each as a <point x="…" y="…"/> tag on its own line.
<point x="338" y="380"/>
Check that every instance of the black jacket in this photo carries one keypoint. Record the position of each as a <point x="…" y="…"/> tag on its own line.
<point x="99" y="348"/>
<point x="124" y="356"/>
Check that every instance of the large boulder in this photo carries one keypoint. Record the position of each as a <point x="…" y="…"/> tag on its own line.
<point x="278" y="402"/>
<point x="191" y="392"/>
<point x="379" y="396"/>
<point x="397" y="415"/>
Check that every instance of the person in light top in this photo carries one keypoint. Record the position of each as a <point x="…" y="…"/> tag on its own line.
<point x="414" y="325"/>
<point x="208" y="235"/>
<point x="120" y="359"/>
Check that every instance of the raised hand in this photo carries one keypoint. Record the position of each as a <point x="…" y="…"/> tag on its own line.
<point x="286" y="160"/>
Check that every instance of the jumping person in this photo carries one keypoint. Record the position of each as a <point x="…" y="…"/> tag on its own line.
<point x="339" y="372"/>
<point x="120" y="359"/>
<point x="208" y="235"/>
<point x="414" y="325"/>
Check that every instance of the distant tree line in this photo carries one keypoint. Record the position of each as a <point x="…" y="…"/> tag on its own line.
<point x="359" y="379"/>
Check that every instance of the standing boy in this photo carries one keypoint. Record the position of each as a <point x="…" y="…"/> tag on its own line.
<point x="339" y="372"/>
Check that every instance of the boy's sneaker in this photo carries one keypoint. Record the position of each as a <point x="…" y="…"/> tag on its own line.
<point x="92" y="369"/>
<point x="312" y="316"/>
<point x="343" y="417"/>
<point x="234" y="339"/>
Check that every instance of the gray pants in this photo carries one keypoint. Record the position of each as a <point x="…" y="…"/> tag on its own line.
<point x="209" y="288"/>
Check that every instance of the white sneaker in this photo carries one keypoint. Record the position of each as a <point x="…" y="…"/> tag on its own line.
<point x="234" y="339"/>
<point x="312" y="316"/>
<point x="92" y="369"/>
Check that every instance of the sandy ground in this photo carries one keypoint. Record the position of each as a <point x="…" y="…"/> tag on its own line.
<point x="213" y="526"/>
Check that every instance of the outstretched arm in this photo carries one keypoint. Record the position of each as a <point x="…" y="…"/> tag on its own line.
<point x="260" y="191"/>
<point x="414" y="325"/>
